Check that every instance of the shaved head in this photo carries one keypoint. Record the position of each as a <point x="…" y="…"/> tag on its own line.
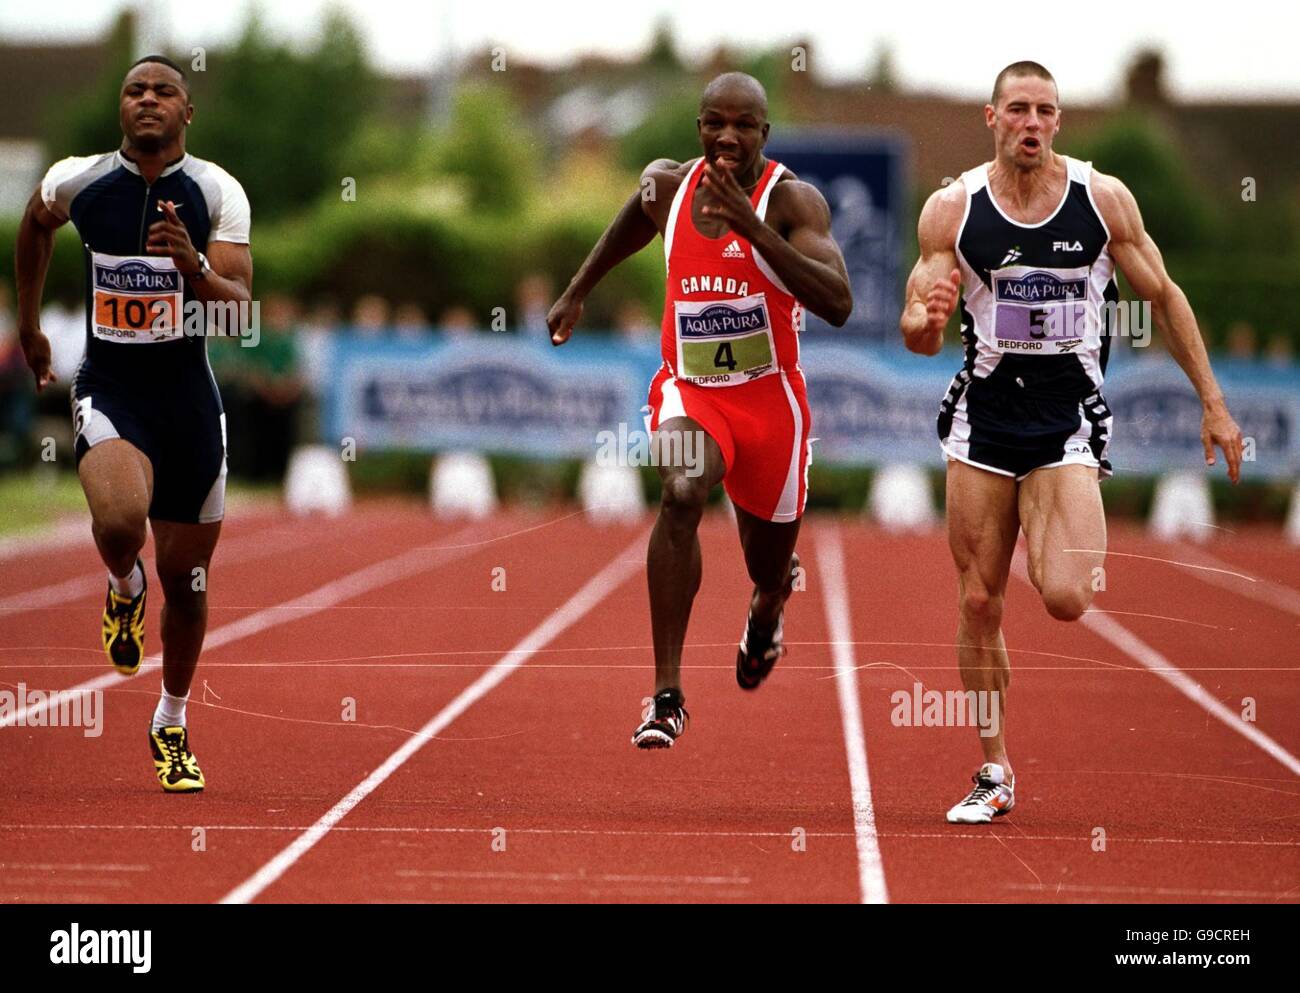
<point x="736" y="88"/>
<point x="1026" y="68"/>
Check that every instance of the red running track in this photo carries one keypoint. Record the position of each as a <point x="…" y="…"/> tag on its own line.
<point x="379" y="721"/>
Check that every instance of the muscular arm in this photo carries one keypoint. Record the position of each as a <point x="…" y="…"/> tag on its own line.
<point x="806" y="258"/>
<point x="1140" y="261"/>
<point x="32" y="256"/>
<point x="630" y="231"/>
<point x="797" y="242"/>
<point x="935" y="280"/>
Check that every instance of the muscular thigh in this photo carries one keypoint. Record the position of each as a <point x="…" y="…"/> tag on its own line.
<point x="982" y="526"/>
<point x="117" y="479"/>
<point x="1065" y="526"/>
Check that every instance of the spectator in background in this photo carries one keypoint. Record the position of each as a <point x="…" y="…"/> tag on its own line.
<point x="371" y="316"/>
<point x="274" y="390"/>
<point x="1280" y="352"/>
<point x="262" y="392"/>
<point x="17" y="399"/>
<point x="1242" y="341"/>
<point x="457" y="322"/>
<point x="634" y="323"/>
<point x="66" y="329"/>
<point x="532" y="303"/>
<point x="315" y="333"/>
<point x="411" y="323"/>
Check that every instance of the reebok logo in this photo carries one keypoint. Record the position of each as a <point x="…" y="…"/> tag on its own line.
<point x="733" y="251"/>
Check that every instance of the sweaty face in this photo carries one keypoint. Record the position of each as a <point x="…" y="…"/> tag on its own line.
<point x="733" y="131"/>
<point x="1025" y="120"/>
<point x="154" y="107"/>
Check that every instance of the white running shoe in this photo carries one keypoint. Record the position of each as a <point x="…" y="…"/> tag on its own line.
<point x="994" y="794"/>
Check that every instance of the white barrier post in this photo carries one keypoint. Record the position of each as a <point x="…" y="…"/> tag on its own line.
<point x="461" y="485"/>
<point x="1182" y="507"/>
<point x="900" y="498"/>
<point x="611" y="494"/>
<point x="1293" y="518"/>
<point x="316" y="480"/>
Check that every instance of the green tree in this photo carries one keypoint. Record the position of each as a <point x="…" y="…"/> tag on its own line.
<point x="488" y="149"/>
<point x="279" y="120"/>
<point x="90" y="123"/>
<point x="1133" y="148"/>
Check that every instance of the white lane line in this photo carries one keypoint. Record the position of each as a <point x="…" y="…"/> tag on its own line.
<point x="64" y="534"/>
<point x="830" y="561"/>
<point x="1262" y="590"/>
<point x="390" y="570"/>
<point x="1138" y="650"/>
<point x="574" y="609"/>
<point x="232" y="551"/>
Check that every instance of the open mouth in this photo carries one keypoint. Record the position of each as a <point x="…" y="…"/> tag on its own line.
<point x="1030" y="144"/>
<point x="726" y="159"/>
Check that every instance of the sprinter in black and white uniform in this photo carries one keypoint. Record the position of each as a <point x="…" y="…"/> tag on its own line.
<point x="162" y="231"/>
<point x="1031" y="243"/>
<point x="1033" y="323"/>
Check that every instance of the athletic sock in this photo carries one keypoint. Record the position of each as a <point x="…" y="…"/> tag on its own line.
<point x="170" y="711"/>
<point x="131" y="585"/>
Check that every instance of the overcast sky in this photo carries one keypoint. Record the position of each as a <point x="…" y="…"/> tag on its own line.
<point x="1246" y="49"/>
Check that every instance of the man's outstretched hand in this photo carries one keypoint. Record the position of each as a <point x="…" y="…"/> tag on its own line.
<point x="36" y="350"/>
<point x="1218" y="428"/>
<point x="562" y="317"/>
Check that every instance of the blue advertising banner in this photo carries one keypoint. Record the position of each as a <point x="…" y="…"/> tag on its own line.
<point x="861" y="176"/>
<point x="870" y="405"/>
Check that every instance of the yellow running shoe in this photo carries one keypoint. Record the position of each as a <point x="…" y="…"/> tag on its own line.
<point x="123" y="633"/>
<point x="178" y="771"/>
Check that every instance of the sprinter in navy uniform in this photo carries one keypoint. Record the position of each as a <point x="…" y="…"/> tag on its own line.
<point x="163" y="232"/>
<point x="1028" y="245"/>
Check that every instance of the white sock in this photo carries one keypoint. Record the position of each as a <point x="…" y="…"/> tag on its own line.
<point x="131" y="585"/>
<point x="170" y="711"/>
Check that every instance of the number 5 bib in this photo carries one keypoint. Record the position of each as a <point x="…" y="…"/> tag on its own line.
<point x="137" y="299"/>
<point x="1041" y="311"/>
<point x="724" y="342"/>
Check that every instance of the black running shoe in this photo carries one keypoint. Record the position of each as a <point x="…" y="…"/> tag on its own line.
<point x="761" y="650"/>
<point x="666" y="724"/>
<point x="123" y="628"/>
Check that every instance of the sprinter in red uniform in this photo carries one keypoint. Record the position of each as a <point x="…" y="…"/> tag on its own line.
<point x="748" y="248"/>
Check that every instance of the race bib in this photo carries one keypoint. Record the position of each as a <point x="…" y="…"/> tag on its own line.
<point x="136" y="299"/>
<point x="724" y="342"/>
<point x="1041" y="311"/>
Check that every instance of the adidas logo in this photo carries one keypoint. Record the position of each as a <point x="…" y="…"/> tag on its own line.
<point x="733" y="251"/>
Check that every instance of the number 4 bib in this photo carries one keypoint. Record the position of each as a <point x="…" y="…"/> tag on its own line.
<point x="724" y="342"/>
<point x="137" y="298"/>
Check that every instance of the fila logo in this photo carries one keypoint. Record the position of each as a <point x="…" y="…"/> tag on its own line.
<point x="1011" y="256"/>
<point x="733" y="251"/>
<point x="1066" y="246"/>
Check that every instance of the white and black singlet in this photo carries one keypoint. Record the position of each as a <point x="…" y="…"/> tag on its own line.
<point x="1036" y="310"/>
